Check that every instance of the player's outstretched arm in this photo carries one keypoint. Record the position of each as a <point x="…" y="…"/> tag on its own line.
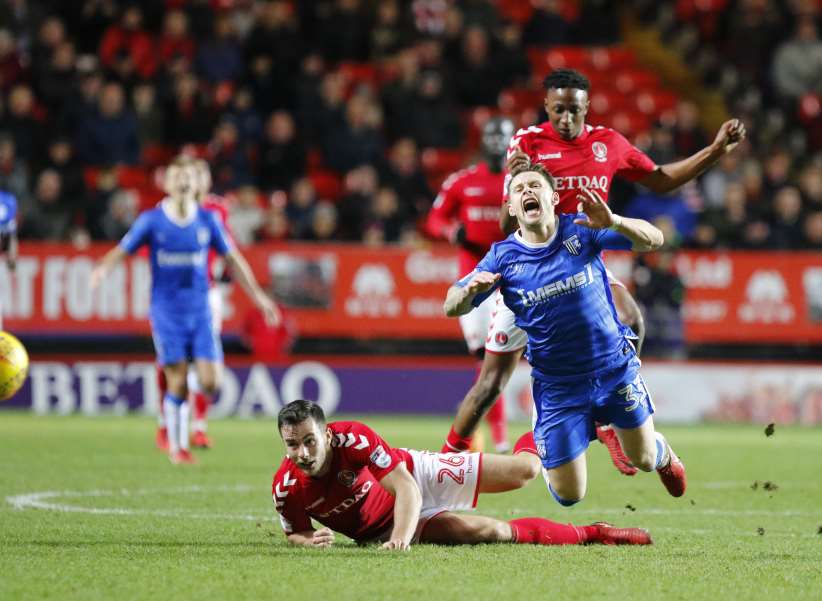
<point x="111" y="258"/>
<point x="672" y="175"/>
<point x="458" y="300"/>
<point x="322" y="538"/>
<point x="642" y="234"/>
<point x="241" y="270"/>
<point x="407" y="503"/>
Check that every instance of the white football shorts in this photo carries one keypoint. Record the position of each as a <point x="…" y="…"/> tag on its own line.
<point x="475" y="324"/>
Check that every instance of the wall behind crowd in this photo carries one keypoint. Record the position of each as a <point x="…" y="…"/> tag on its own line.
<point x="337" y="120"/>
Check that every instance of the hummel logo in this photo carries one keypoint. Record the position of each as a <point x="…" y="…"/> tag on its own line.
<point x="550" y="155"/>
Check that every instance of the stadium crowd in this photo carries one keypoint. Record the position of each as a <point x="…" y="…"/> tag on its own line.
<point x="336" y="119"/>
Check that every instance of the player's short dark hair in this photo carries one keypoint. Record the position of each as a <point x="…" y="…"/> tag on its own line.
<point x="535" y="167"/>
<point x="566" y="78"/>
<point x="296" y="412"/>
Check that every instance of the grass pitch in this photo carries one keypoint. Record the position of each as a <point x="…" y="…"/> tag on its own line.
<point x="89" y="510"/>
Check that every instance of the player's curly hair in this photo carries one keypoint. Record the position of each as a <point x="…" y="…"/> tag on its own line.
<point x="566" y="78"/>
<point x="535" y="167"/>
<point x="296" y="412"/>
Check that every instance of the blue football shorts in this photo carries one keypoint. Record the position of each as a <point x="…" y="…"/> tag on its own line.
<point x="567" y="411"/>
<point x="183" y="336"/>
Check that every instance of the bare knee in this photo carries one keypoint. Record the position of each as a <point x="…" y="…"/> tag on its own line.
<point x="567" y="494"/>
<point x="493" y="531"/>
<point x="528" y="468"/>
<point x="645" y="459"/>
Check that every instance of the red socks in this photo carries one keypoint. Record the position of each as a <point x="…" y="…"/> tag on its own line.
<point x="539" y="531"/>
<point x="498" y="425"/>
<point x="526" y="444"/>
<point x="454" y="443"/>
<point x="201" y="404"/>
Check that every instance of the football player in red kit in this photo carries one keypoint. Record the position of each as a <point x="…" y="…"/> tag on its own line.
<point x="346" y="477"/>
<point x="466" y="212"/>
<point x="579" y="156"/>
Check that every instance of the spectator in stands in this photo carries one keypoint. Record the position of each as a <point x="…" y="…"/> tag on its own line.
<point x="21" y="124"/>
<point x="276" y="36"/>
<point x="786" y="220"/>
<point x="433" y="117"/>
<point x="229" y="157"/>
<point x="323" y="223"/>
<point x="55" y="82"/>
<point x="187" y="115"/>
<point x="11" y="63"/>
<point x="220" y="58"/>
<point x="148" y="114"/>
<point x="90" y="22"/>
<point x="106" y="187"/>
<point x="14" y="174"/>
<point x="344" y="31"/>
<point x="282" y="155"/>
<point x="243" y="112"/>
<point x="810" y="184"/>
<point x="175" y="40"/>
<point x="109" y="135"/>
<point x="359" y="187"/>
<point x="48" y="217"/>
<point x="777" y="172"/>
<point x="399" y="95"/>
<point x="302" y="200"/>
<point x="688" y="135"/>
<point x="546" y="26"/>
<point x="120" y="214"/>
<point x="275" y="225"/>
<point x="390" y="32"/>
<point x="385" y="219"/>
<point x="597" y="22"/>
<point x="357" y="140"/>
<point x="127" y="49"/>
<point x="245" y="216"/>
<point x="749" y="33"/>
<point x="511" y="57"/>
<point x="717" y="179"/>
<point x="797" y="63"/>
<point x="477" y="79"/>
<point x="812" y="231"/>
<point x="404" y="174"/>
<point x="51" y="33"/>
<point x="60" y="158"/>
<point x="82" y="100"/>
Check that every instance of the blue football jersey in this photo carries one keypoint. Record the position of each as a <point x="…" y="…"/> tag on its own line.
<point x="178" y="255"/>
<point x="8" y="213"/>
<point x="559" y="294"/>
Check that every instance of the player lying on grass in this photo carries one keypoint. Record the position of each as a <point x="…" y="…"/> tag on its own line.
<point x="584" y="366"/>
<point x="346" y="477"/>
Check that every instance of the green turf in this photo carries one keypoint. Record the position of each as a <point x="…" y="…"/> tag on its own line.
<point x="207" y="532"/>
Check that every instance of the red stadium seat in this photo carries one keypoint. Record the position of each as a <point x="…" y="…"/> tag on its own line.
<point x="132" y="176"/>
<point x="314" y="158"/>
<point x="629" y="123"/>
<point x="571" y="57"/>
<point x="90" y="176"/>
<point x="656" y="102"/>
<point x="604" y="102"/>
<point x="612" y="58"/>
<point x="442" y="161"/>
<point x="514" y="100"/>
<point x="635" y="80"/>
<point x="157" y="154"/>
<point x="327" y="183"/>
<point x="515" y="10"/>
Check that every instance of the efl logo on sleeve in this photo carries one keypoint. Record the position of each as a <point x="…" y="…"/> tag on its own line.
<point x="380" y="458"/>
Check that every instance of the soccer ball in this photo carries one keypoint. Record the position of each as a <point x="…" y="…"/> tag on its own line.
<point x="14" y="365"/>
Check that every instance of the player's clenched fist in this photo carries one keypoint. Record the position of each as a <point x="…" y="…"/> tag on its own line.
<point x="730" y="133"/>
<point x="324" y="537"/>
<point x="482" y="282"/>
<point x="396" y="544"/>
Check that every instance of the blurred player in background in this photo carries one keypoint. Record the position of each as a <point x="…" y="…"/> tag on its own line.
<point x="179" y="234"/>
<point x="350" y="480"/>
<point x="466" y="212"/>
<point x="8" y="234"/>
<point x="578" y="155"/>
<point x="218" y="280"/>
<point x="584" y="366"/>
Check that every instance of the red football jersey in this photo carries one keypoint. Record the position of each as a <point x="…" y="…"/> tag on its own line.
<point x="217" y="205"/>
<point x="349" y="498"/>
<point x="470" y="196"/>
<point x="590" y="160"/>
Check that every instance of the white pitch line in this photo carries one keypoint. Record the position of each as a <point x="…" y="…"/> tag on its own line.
<point x="41" y="500"/>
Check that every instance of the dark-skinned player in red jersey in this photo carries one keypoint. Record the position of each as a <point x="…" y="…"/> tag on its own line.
<point x="350" y="480"/>
<point x="578" y="155"/>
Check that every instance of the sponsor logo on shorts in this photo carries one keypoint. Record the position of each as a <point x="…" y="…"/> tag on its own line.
<point x="380" y="458"/>
<point x="634" y="394"/>
<point x="541" y="450"/>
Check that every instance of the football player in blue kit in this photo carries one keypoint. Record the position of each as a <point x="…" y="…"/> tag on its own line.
<point x="584" y="366"/>
<point x="8" y="234"/>
<point x="179" y="234"/>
